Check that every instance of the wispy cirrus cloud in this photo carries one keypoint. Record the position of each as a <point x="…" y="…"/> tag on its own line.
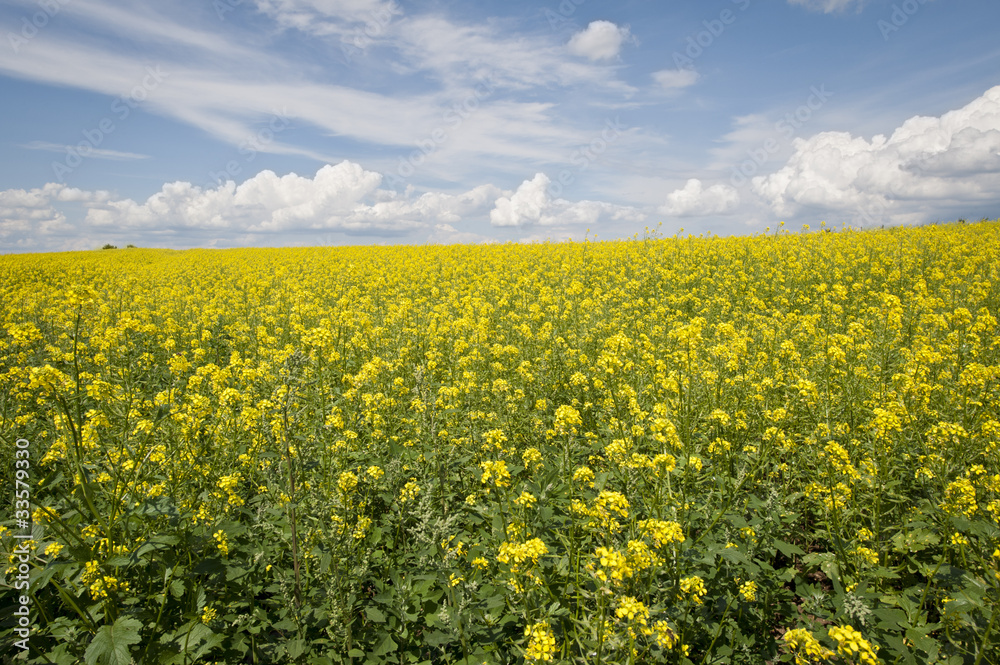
<point x="220" y="95"/>
<point x="675" y="79"/>
<point x="89" y="151"/>
<point x="330" y="17"/>
<point x="829" y="6"/>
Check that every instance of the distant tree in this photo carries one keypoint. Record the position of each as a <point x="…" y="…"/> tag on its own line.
<point x="110" y="246"/>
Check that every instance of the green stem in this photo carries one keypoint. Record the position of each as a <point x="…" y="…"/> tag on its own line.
<point x="986" y="638"/>
<point x="718" y="630"/>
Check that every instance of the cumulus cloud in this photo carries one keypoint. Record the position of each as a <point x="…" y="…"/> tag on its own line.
<point x="674" y="79"/>
<point x="696" y="200"/>
<point x="828" y="6"/>
<point x="951" y="159"/>
<point x="342" y="197"/>
<point x="601" y="40"/>
<point x="532" y="204"/>
<point x="525" y="206"/>
<point x="27" y="214"/>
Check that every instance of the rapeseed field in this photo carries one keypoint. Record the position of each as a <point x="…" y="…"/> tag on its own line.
<point x="782" y="448"/>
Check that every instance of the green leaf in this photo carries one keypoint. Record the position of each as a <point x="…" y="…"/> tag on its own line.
<point x="890" y="619"/>
<point x="914" y="540"/>
<point x="110" y="644"/>
<point x="295" y="648"/>
<point x="896" y="643"/>
<point x="374" y="614"/>
<point x="192" y="635"/>
<point x="825" y="561"/>
<point x="788" y="549"/>
<point x="386" y="645"/>
<point x="437" y="638"/>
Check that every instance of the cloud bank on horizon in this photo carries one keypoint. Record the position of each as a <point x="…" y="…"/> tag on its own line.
<point x="293" y="122"/>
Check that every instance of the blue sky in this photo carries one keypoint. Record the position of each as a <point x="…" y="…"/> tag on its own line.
<point x="223" y="123"/>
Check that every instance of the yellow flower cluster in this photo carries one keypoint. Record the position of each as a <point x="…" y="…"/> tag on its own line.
<point x="749" y="591"/>
<point x="665" y="636"/>
<point x="662" y="532"/>
<point x="806" y="647"/>
<point x="99" y="584"/>
<point x="608" y="506"/>
<point x="694" y="587"/>
<point x="409" y="491"/>
<point x="347" y="482"/>
<point x="851" y="642"/>
<point x="526" y="500"/>
<point x="567" y="420"/>
<point x="960" y="498"/>
<point x="518" y="553"/>
<point x="613" y="564"/>
<point x="496" y="471"/>
<point x="532" y="459"/>
<point x="633" y="610"/>
<point x="541" y="643"/>
<point x="584" y="475"/>
<point x="221" y="542"/>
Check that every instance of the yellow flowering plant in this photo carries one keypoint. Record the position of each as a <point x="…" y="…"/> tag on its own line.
<point x="774" y="448"/>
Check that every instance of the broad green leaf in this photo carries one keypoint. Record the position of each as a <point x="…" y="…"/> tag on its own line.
<point x="386" y="645"/>
<point x="110" y="645"/>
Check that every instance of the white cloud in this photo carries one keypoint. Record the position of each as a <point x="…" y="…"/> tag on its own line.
<point x="525" y="206"/>
<point x="533" y="204"/>
<point x="457" y="54"/>
<point x="27" y="214"/>
<point x="218" y="93"/>
<point x="950" y="160"/>
<point x="87" y="152"/>
<point x="149" y="24"/>
<point x="332" y="17"/>
<point x="342" y="198"/>
<point x="674" y="79"/>
<point x="601" y="40"/>
<point x="696" y="200"/>
<point x="828" y="6"/>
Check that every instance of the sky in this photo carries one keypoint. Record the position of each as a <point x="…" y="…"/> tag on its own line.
<point x="229" y="123"/>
